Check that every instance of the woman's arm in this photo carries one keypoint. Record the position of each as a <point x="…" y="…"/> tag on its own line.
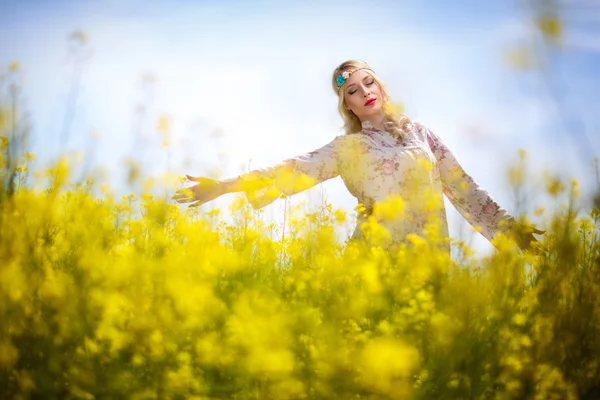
<point x="294" y="175"/>
<point x="240" y="183"/>
<point x="265" y="185"/>
<point x="471" y="200"/>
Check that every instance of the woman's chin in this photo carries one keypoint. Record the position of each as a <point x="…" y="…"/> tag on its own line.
<point x="373" y="112"/>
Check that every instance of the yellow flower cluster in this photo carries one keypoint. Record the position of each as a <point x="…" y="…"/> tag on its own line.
<point x="137" y="299"/>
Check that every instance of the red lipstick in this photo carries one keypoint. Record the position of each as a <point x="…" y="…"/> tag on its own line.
<point x="370" y="101"/>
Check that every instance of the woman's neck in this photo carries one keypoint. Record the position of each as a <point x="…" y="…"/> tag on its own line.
<point x="375" y="121"/>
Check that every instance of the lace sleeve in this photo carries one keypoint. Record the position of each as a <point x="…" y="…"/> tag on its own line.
<point x="470" y="199"/>
<point x="265" y="185"/>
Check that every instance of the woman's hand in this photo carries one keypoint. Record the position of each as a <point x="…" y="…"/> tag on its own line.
<point x="523" y="235"/>
<point x="204" y="191"/>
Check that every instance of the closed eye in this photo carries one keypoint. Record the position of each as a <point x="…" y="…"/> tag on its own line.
<point x="368" y="84"/>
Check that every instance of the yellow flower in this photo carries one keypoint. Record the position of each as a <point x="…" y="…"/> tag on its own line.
<point x="14" y="66"/>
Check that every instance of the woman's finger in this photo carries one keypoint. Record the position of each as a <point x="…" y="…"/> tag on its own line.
<point x="181" y="196"/>
<point x="192" y="178"/>
<point x="182" y="190"/>
<point x="182" y="193"/>
<point x="538" y="249"/>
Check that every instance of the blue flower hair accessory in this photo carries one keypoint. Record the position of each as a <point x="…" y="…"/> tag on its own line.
<point x="342" y="78"/>
<point x="345" y="75"/>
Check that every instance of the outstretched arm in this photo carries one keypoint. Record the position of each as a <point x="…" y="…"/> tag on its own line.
<point x="294" y="175"/>
<point x="471" y="200"/>
<point x="263" y="186"/>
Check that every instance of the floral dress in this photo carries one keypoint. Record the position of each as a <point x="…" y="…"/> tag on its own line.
<point x="376" y="167"/>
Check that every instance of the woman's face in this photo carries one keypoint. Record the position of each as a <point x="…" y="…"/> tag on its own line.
<point x="359" y="89"/>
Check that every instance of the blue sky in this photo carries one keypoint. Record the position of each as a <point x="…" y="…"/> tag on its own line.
<point x="247" y="83"/>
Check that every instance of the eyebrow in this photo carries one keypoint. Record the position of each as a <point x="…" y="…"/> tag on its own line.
<point x="352" y="84"/>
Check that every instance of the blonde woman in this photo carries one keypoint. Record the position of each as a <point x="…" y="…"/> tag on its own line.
<point x="382" y="159"/>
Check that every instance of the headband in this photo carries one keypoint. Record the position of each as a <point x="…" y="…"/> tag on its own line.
<point x="345" y="75"/>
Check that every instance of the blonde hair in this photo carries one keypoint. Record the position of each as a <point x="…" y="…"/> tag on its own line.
<point x="397" y="125"/>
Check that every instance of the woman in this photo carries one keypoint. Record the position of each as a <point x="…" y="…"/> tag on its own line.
<point x="382" y="159"/>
